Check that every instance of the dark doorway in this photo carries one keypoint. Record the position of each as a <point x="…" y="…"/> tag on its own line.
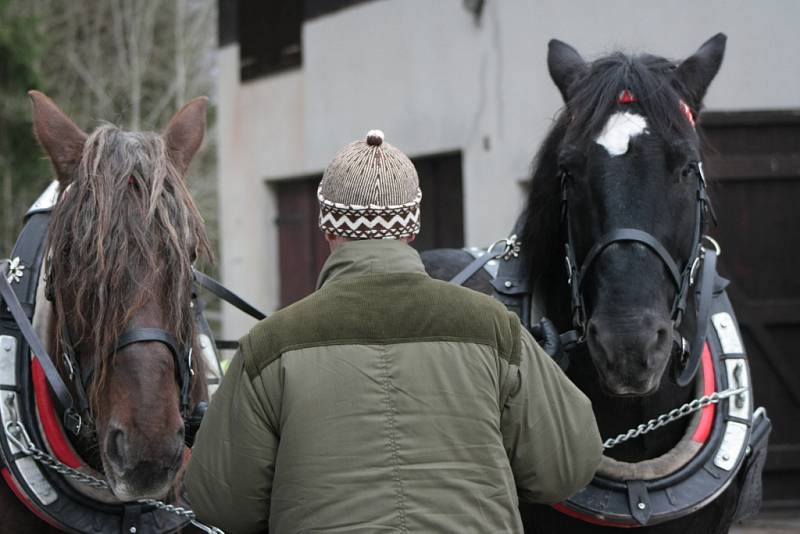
<point x="303" y="250"/>
<point x="753" y="161"/>
<point x="301" y="247"/>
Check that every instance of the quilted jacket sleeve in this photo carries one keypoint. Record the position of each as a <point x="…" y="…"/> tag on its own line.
<point x="229" y="478"/>
<point x="549" y="429"/>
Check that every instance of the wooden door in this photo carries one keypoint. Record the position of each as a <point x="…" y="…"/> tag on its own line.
<point x="301" y="246"/>
<point x="753" y="162"/>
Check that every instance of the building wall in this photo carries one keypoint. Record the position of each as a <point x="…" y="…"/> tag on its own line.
<point x="435" y="79"/>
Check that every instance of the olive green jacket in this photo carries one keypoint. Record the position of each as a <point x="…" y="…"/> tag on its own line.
<point x="389" y="402"/>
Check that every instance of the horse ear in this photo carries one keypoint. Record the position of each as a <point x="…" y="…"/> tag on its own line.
<point x="185" y="131"/>
<point x="61" y="138"/>
<point x="696" y="72"/>
<point x="565" y="65"/>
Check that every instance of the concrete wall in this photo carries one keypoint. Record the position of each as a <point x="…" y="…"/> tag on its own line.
<point x="435" y="80"/>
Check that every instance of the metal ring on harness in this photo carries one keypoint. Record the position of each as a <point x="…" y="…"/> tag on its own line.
<point x="510" y="248"/>
<point x="707" y="238"/>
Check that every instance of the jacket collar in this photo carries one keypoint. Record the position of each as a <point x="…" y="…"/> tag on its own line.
<point x="369" y="256"/>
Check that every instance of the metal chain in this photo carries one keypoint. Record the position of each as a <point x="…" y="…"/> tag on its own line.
<point x="673" y="415"/>
<point x="19" y="437"/>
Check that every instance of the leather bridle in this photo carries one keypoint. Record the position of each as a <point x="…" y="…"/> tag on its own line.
<point x="81" y="376"/>
<point x="683" y="278"/>
<point x="74" y="413"/>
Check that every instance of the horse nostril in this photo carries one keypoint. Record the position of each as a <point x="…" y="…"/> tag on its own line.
<point x="656" y="347"/>
<point x="115" y="447"/>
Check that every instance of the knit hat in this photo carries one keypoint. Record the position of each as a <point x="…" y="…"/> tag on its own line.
<point x="370" y="191"/>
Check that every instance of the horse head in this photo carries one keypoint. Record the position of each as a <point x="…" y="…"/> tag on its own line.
<point x="123" y="236"/>
<point x="624" y="154"/>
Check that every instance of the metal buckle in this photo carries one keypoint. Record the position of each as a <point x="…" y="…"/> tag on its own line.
<point x="693" y="270"/>
<point x="70" y="367"/>
<point x="73" y="421"/>
<point x="702" y="174"/>
<point x="569" y="269"/>
<point x="684" y="349"/>
<point x="189" y="361"/>
<point x="511" y="248"/>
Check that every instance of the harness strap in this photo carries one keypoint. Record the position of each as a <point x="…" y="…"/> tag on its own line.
<point x="139" y="335"/>
<point x="226" y="344"/>
<point x="71" y="418"/>
<point x="635" y="235"/>
<point x="227" y="295"/>
<point x="704" y="294"/>
<point x="476" y="265"/>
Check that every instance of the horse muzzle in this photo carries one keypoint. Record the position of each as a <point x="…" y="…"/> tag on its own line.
<point x="630" y="355"/>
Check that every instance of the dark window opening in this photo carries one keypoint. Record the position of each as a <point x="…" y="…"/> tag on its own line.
<point x="302" y="248"/>
<point x="270" y="36"/>
<point x="442" y="202"/>
<point x="319" y="8"/>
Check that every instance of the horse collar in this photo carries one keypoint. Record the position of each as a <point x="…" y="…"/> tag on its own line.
<point x="725" y="439"/>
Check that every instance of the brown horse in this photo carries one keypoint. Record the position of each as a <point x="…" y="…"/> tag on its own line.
<point x="123" y="236"/>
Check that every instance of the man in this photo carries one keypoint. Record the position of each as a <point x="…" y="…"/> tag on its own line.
<point x="387" y="401"/>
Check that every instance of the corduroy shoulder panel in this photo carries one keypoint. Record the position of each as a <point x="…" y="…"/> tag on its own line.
<point x="383" y="309"/>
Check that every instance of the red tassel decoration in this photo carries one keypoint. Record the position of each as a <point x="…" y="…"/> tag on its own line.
<point x="688" y="112"/>
<point x="626" y="97"/>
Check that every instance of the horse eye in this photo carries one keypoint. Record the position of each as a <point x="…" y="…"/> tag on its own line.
<point x="690" y="169"/>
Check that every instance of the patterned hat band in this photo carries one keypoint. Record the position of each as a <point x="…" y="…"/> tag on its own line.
<point x="370" y="191"/>
<point x="369" y="222"/>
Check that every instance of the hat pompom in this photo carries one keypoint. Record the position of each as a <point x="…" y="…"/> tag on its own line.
<point x="374" y="138"/>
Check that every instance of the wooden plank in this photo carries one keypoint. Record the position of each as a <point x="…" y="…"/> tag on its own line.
<point x="753" y="163"/>
<point x="739" y="119"/>
<point x="783" y="457"/>
<point x="753" y="167"/>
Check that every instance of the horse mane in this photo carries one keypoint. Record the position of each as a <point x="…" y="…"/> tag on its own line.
<point x="125" y="230"/>
<point x="593" y="96"/>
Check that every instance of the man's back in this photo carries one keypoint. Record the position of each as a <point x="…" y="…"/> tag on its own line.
<point x="388" y="401"/>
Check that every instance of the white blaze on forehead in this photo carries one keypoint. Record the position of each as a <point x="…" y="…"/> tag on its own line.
<point x="619" y="130"/>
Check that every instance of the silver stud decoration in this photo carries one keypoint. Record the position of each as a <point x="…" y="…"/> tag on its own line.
<point x="15" y="270"/>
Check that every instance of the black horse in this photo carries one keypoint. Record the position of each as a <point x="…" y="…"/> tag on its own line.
<point x="626" y="150"/>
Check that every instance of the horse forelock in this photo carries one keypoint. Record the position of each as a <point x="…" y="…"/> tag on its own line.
<point x="593" y="98"/>
<point x="124" y="232"/>
<point x="596" y="95"/>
